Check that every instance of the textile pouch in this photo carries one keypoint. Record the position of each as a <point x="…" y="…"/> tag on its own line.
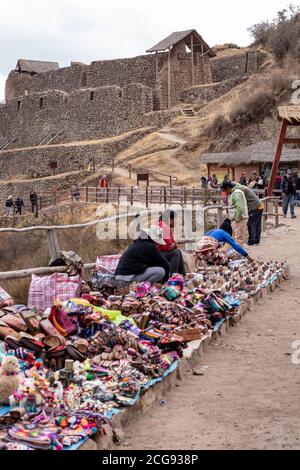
<point x="45" y="290"/>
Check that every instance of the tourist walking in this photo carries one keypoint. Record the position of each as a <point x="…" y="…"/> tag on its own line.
<point x="203" y="182"/>
<point x="288" y="187"/>
<point x="33" y="200"/>
<point x="76" y="192"/>
<point x="103" y="182"/>
<point x="19" y="205"/>
<point x="9" y="206"/>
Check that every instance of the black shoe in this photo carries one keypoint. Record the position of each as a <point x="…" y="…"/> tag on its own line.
<point x="294" y="217"/>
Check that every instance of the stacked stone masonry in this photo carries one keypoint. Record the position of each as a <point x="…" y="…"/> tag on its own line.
<point x="236" y="65"/>
<point x="35" y="164"/>
<point x="202" y="94"/>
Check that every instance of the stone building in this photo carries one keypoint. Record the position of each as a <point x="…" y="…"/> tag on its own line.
<point x="60" y="117"/>
<point x="106" y="98"/>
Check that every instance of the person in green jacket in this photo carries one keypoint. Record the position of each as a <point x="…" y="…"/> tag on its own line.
<point x="243" y="219"/>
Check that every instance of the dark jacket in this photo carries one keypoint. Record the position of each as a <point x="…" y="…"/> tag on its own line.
<point x="19" y="202"/>
<point x="33" y="198"/>
<point x="288" y="185"/>
<point x="9" y="203"/>
<point x="139" y="256"/>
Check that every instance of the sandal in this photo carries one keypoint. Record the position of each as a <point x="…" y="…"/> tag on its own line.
<point x="6" y="331"/>
<point x="13" y="341"/>
<point x="53" y="341"/>
<point x="29" y="342"/>
<point x="82" y="345"/>
<point x="74" y="353"/>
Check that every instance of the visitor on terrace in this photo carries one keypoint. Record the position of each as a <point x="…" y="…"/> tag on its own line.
<point x="170" y="250"/>
<point x="142" y="261"/>
<point x="9" y="206"/>
<point x="209" y="248"/>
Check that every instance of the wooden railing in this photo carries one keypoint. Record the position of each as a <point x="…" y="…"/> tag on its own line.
<point x="271" y="206"/>
<point x="131" y="195"/>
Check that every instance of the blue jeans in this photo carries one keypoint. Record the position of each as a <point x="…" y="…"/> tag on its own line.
<point x="289" y="200"/>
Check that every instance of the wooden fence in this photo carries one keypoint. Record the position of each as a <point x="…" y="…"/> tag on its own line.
<point x="131" y="195"/>
<point x="271" y="210"/>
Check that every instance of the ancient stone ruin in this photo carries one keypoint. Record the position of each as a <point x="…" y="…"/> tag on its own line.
<point x="47" y="107"/>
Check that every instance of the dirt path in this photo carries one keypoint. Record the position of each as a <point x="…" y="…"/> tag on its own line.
<point x="249" y="396"/>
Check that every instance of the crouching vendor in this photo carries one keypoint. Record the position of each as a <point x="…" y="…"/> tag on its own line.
<point x="142" y="261"/>
<point x="209" y="247"/>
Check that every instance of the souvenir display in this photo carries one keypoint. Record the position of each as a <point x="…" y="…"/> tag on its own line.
<point x="68" y="368"/>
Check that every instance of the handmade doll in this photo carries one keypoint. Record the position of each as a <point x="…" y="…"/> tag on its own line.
<point x="9" y="378"/>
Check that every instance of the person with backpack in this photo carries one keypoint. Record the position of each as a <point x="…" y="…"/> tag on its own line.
<point x="289" y="191"/>
<point x="33" y="200"/>
<point x="19" y="205"/>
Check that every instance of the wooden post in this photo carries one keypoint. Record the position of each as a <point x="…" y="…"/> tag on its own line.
<point x="106" y="196"/>
<point x="192" y="59"/>
<point x="113" y="165"/>
<point x="220" y="216"/>
<point x="276" y="213"/>
<point x="131" y="196"/>
<point x="86" y="194"/>
<point x="265" y="216"/>
<point x="193" y="196"/>
<point x="119" y="193"/>
<point x="202" y="61"/>
<point x="129" y="170"/>
<point x="278" y="153"/>
<point x="169" y="78"/>
<point x="53" y="244"/>
<point x="185" y="195"/>
<point x="147" y="197"/>
<point x="170" y="179"/>
<point x="156" y="66"/>
<point x="165" y="197"/>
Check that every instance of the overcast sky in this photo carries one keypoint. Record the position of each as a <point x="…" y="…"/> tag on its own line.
<point x="86" y="30"/>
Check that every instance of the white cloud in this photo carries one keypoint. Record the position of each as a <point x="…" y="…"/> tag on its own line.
<point x="65" y="30"/>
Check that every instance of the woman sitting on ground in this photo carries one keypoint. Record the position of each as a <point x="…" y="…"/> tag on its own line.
<point x="142" y="260"/>
<point x="209" y="247"/>
<point x="169" y="250"/>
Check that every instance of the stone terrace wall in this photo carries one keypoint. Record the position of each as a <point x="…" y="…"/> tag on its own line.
<point x="35" y="162"/>
<point x="202" y="94"/>
<point x="237" y="65"/>
<point x="93" y="113"/>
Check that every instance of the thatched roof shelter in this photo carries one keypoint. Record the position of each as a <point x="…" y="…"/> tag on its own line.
<point x="190" y="36"/>
<point x="262" y="152"/>
<point x="290" y="113"/>
<point x="36" y="66"/>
